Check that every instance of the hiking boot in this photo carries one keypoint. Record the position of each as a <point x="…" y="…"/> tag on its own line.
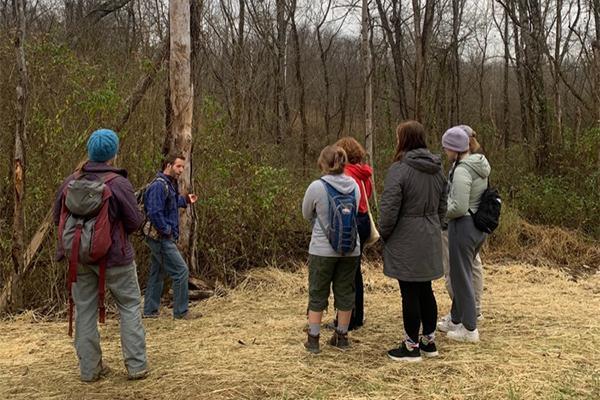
<point x="134" y="376"/>
<point x="189" y="316"/>
<point x="340" y="340"/>
<point x="404" y="352"/>
<point x="446" y="325"/>
<point x="462" y="334"/>
<point x="428" y="348"/>
<point x="312" y="343"/>
<point x="331" y="325"/>
<point x="104" y="371"/>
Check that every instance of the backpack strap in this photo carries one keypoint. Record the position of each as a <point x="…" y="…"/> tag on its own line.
<point x="72" y="277"/>
<point x="328" y="191"/>
<point x="101" y="290"/>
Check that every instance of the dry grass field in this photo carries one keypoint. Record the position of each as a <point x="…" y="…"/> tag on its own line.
<point x="540" y="340"/>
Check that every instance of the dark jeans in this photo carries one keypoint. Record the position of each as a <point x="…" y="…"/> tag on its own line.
<point x="358" y="313"/>
<point x="418" y="307"/>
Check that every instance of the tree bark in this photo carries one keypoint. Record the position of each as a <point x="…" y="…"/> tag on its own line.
<point x="422" y="33"/>
<point x="596" y="50"/>
<point x="393" y="31"/>
<point x="457" y="12"/>
<point x="178" y="137"/>
<point x="11" y="299"/>
<point x="301" y="88"/>
<point x="368" y="79"/>
<point x="280" y="71"/>
<point x="506" y="101"/>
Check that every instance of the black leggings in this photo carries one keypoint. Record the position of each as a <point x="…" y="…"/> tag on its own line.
<point x="418" y="307"/>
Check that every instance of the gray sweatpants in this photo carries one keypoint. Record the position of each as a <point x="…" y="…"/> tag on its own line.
<point x="477" y="273"/>
<point x="123" y="284"/>
<point x="464" y="242"/>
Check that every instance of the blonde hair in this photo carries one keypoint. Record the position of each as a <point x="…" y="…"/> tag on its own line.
<point x="332" y="160"/>
<point x="474" y="146"/>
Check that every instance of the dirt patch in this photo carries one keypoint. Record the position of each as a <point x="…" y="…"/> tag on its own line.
<point x="540" y="340"/>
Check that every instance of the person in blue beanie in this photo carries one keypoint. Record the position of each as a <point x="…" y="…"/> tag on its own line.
<point x="118" y="267"/>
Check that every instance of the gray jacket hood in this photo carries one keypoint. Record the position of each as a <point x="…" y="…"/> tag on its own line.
<point x="342" y="183"/>
<point x="422" y="160"/>
<point x="479" y="164"/>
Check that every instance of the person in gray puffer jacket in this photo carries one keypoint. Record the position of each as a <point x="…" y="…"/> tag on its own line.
<point x="468" y="180"/>
<point x="412" y="207"/>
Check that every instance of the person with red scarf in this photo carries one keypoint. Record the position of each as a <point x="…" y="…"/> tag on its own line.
<point x="361" y="173"/>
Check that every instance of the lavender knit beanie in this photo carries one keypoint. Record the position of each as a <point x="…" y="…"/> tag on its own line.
<point x="456" y="139"/>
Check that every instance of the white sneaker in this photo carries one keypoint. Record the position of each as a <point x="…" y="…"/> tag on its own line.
<point x="446" y="317"/>
<point x="462" y="334"/>
<point x="446" y="325"/>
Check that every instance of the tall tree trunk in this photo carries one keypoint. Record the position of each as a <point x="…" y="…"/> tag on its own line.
<point x="179" y="130"/>
<point x="280" y="71"/>
<point x="393" y="30"/>
<point x="326" y="82"/>
<point x="368" y="79"/>
<point x="422" y="33"/>
<point x="505" y="102"/>
<point x="556" y="86"/>
<point x="457" y="11"/>
<point x="524" y="58"/>
<point x="538" y="42"/>
<point x="12" y="297"/>
<point x="596" y="50"/>
<point x="301" y="89"/>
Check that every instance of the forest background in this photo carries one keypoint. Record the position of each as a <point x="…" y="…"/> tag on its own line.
<point x="274" y="82"/>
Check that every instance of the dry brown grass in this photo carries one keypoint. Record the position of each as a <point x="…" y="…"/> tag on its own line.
<point x="551" y="246"/>
<point x="540" y="340"/>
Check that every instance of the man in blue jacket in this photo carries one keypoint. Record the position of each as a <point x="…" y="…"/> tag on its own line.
<point x="162" y="202"/>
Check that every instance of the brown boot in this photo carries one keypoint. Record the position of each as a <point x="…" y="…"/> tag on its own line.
<point x="312" y="343"/>
<point x="340" y="340"/>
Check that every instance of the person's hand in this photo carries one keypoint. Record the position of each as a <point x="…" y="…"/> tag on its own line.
<point x="192" y="198"/>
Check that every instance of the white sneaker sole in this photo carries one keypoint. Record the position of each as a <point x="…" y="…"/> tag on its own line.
<point x="445" y="328"/>
<point x="463" y="339"/>
<point x="406" y="359"/>
<point x="429" y="355"/>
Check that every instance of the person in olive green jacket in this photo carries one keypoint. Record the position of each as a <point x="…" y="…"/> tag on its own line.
<point x="468" y="180"/>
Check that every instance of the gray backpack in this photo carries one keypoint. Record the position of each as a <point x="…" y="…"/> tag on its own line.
<point x="85" y="231"/>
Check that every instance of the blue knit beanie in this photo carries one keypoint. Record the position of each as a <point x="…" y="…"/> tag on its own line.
<point x="456" y="139"/>
<point x="102" y="145"/>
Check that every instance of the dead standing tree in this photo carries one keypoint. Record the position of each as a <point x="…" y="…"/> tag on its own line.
<point x="180" y="105"/>
<point x="11" y="298"/>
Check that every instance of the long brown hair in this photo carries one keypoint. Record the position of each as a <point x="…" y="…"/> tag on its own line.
<point x="411" y="136"/>
<point x="332" y="160"/>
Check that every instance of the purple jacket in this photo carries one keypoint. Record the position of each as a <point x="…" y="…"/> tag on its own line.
<point x="124" y="214"/>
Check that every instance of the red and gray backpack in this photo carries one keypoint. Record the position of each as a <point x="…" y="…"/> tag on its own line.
<point x="84" y="230"/>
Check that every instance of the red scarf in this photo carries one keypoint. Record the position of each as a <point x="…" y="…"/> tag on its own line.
<point x="362" y="175"/>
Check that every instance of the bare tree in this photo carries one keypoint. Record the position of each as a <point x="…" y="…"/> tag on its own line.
<point x="12" y="298"/>
<point x="393" y="30"/>
<point x="423" y="28"/>
<point x="301" y="88"/>
<point x="368" y="78"/>
<point x="179" y="132"/>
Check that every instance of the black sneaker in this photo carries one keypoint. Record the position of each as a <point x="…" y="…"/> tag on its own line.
<point x="312" y="344"/>
<point x="339" y="340"/>
<point x="429" y="349"/>
<point x="402" y="353"/>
